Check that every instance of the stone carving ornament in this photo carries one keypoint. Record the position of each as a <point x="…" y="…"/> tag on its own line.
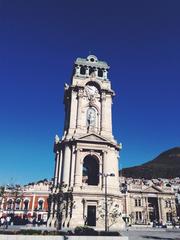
<point x="91" y="91"/>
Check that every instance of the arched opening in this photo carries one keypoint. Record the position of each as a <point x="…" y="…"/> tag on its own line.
<point x="91" y="70"/>
<point x="40" y="204"/>
<point x="91" y="170"/>
<point x="17" y="205"/>
<point x="26" y="204"/>
<point x="10" y="204"/>
<point x="100" y="73"/>
<point x="82" y="70"/>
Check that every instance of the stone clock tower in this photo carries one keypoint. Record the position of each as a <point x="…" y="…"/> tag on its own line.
<point x="86" y="152"/>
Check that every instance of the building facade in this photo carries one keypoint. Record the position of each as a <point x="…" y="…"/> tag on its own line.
<point x="27" y="202"/>
<point x="87" y="151"/>
<point x="145" y="203"/>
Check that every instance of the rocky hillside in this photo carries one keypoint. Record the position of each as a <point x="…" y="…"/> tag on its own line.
<point x="166" y="165"/>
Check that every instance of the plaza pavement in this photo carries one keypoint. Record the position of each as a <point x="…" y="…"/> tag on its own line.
<point x="152" y="234"/>
<point x="143" y="233"/>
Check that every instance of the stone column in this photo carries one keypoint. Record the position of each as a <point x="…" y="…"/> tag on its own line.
<point x="60" y="167"/>
<point x="78" y="171"/>
<point x="33" y="203"/>
<point x="72" y="166"/>
<point x="105" y="74"/>
<point x="77" y="69"/>
<point x="80" y="97"/>
<point x="103" y="111"/>
<point x="66" y="167"/>
<point x="101" y="171"/>
<point x="160" y="208"/>
<point x="147" y="210"/>
<point x="87" y="71"/>
<point x="73" y="112"/>
<point x="96" y="72"/>
<point x="56" y="169"/>
<point x="109" y="115"/>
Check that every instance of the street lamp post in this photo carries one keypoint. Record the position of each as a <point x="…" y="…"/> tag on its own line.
<point x="105" y="197"/>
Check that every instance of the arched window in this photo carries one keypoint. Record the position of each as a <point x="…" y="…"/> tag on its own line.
<point x="10" y="204"/>
<point x="17" y="205"/>
<point x="91" y="70"/>
<point x="26" y="204"/>
<point x="82" y="70"/>
<point x="100" y="73"/>
<point x="40" y="204"/>
<point x="91" y="170"/>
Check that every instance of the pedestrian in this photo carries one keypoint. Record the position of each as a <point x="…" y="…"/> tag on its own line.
<point x="2" y="221"/>
<point x="174" y="223"/>
<point x="8" y="220"/>
<point x="5" y="223"/>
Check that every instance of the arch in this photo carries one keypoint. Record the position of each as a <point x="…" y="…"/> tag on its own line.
<point x="91" y="170"/>
<point x="95" y="84"/>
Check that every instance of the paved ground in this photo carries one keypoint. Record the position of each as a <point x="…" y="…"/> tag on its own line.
<point x="158" y="234"/>
<point x="134" y="233"/>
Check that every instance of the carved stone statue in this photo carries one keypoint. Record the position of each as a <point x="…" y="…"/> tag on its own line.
<point x="91" y="117"/>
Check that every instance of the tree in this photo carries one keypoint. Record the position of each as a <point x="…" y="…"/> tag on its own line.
<point x="113" y="214"/>
<point x="63" y="204"/>
<point x="2" y="190"/>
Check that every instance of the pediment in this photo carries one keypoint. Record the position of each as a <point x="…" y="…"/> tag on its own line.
<point x="93" y="137"/>
<point x="153" y="189"/>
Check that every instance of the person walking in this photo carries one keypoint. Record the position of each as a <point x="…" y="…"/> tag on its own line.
<point x="2" y="221"/>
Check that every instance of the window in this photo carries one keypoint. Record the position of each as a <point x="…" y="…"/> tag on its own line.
<point x="26" y="204"/>
<point x="10" y="204"/>
<point x="40" y="204"/>
<point x="138" y="216"/>
<point x="169" y="216"/>
<point x="137" y="202"/>
<point x="91" y="70"/>
<point x="100" y="73"/>
<point x="17" y="205"/>
<point x="82" y="70"/>
<point x="168" y="203"/>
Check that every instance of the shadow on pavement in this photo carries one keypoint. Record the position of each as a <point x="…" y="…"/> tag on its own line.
<point x="159" y="238"/>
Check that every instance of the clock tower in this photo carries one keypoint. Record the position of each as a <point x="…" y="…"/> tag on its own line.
<point x="87" y="152"/>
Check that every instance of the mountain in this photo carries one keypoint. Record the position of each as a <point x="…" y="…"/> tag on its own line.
<point x="166" y="165"/>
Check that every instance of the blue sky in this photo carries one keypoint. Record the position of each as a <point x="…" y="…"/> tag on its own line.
<point x="39" y="41"/>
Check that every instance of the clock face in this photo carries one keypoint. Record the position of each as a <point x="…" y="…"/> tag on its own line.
<point x="91" y="90"/>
